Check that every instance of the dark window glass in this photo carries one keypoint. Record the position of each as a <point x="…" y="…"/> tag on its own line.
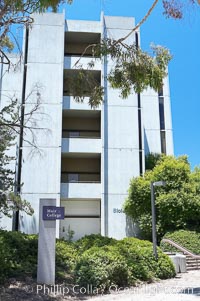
<point x="162" y="113"/>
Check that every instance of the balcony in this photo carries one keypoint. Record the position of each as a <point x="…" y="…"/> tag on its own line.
<point x="81" y="144"/>
<point x="80" y="190"/>
<point x="83" y="62"/>
<point x="90" y="134"/>
<point x="78" y="43"/>
<point x="81" y="168"/>
<point x="69" y="103"/>
<point x="80" y="177"/>
<point x="81" y="131"/>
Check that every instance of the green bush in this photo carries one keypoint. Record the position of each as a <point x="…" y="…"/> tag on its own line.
<point x="93" y="240"/>
<point x="96" y="260"/>
<point x="177" y="203"/>
<point x="18" y="254"/>
<point x="140" y="259"/>
<point x="188" y="239"/>
<point x="102" y="267"/>
<point x="66" y="257"/>
<point x="124" y="263"/>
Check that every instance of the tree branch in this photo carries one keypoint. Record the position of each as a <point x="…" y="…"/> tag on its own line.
<point x="140" y="23"/>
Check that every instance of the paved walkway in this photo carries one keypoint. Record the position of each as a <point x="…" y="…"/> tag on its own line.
<point x="185" y="287"/>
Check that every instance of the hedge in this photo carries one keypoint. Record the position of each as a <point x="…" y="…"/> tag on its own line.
<point x="94" y="259"/>
<point x="124" y="263"/>
<point x="188" y="239"/>
<point x="19" y="256"/>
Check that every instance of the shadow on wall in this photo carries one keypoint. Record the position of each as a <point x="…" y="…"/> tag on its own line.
<point x="146" y="145"/>
<point x="132" y="229"/>
<point x="28" y="224"/>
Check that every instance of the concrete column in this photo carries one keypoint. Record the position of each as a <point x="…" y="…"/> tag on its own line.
<point x="46" y="246"/>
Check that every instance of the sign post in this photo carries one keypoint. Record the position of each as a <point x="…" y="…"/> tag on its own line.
<point x="47" y="240"/>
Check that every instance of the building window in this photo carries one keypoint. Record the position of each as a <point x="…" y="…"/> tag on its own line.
<point x="163" y="141"/>
<point x="161" y="112"/>
<point x="162" y="121"/>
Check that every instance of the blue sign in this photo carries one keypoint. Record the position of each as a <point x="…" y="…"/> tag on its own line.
<point x="53" y="213"/>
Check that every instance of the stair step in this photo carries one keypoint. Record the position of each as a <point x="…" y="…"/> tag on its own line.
<point x="192" y="268"/>
<point x="192" y="263"/>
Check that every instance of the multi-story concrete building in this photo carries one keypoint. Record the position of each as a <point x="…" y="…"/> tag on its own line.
<point x="88" y="156"/>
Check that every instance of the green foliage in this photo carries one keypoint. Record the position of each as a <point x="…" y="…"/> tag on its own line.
<point x="151" y="160"/>
<point x="123" y="263"/>
<point x="19" y="256"/>
<point x="96" y="260"/>
<point x="133" y="71"/>
<point x="84" y="84"/>
<point x="102" y="267"/>
<point x="188" y="239"/>
<point x="177" y="204"/>
<point x="142" y="263"/>
<point x="93" y="240"/>
<point x="66" y="257"/>
<point x="136" y="70"/>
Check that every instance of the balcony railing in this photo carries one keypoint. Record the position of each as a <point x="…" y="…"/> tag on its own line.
<point x="80" y="177"/>
<point x="91" y="134"/>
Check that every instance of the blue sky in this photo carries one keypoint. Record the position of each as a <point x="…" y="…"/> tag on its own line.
<point x="182" y="38"/>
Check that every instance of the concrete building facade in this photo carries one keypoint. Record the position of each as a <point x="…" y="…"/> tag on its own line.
<point x="87" y="156"/>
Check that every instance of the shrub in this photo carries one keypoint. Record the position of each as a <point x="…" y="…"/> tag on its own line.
<point x="124" y="263"/>
<point x="66" y="256"/>
<point x="140" y="259"/>
<point x="102" y="267"/>
<point x="18" y="254"/>
<point x="188" y="239"/>
<point x="96" y="260"/>
<point x="93" y="240"/>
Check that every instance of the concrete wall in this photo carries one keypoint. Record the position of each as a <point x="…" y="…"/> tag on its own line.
<point x="168" y="118"/>
<point x="81" y="145"/>
<point x="151" y="120"/>
<point x="41" y="172"/>
<point x="81" y="190"/>
<point x="120" y="159"/>
<point x="70" y="103"/>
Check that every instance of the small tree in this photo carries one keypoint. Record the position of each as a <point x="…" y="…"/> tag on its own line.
<point x="12" y="123"/>
<point x="9" y="201"/>
<point x="177" y="204"/>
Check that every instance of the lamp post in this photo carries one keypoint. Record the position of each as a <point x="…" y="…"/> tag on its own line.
<point x="153" y="212"/>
